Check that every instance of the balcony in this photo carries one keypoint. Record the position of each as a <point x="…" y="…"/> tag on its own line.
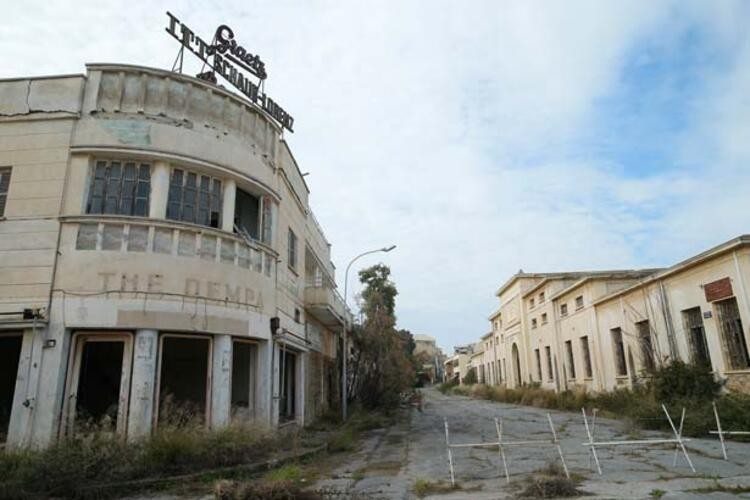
<point x="326" y="305"/>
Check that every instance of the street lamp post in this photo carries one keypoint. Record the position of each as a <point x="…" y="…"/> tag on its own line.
<point x="344" y="353"/>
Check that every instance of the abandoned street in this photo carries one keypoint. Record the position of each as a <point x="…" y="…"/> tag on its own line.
<point x="390" y="462"/>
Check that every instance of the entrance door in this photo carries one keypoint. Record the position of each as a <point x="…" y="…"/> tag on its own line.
<point x="184" y="388"/>
<point x="99" y="385"/>
<point x="243" y="380"/>
<point x="287" y="385"/>
<point x="517" y="365"/>
<point x="10" y="353"/>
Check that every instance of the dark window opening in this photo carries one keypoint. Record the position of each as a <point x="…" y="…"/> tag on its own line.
<point x="571" y="360"/>
<point x="619" y="348"/>
<point x="98" y="391"/>
<point x="194" y="198"/>
<point x="243" y="380"/>
<point x="287" y="385"/>
<point x="647" y="348"/>
<point x="120" y="188"/>
<point x="548" y="353"/>
<point x="183" y="381"/>
<point x="538" y="356"/>
<point x="696" y="333"/>
<point x="10" y="353"/>
<point x="732" y="334"/>
<point x="247" y="214"/>
<point x="589" y="372"/>
<point x="4" y="187"/>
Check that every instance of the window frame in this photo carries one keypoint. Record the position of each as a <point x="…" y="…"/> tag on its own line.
<point x="292" y="253"/>
<point x="579" y="302"/>
<point x="563" y="310"/>
<point x="6" y="173"/>
<point x="209" y="200"/>
<point x="142" y="177"/>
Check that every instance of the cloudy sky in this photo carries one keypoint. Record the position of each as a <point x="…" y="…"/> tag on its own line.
<point x="480" y="137"/>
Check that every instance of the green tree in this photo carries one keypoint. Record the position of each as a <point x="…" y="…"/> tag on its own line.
<point x="383" y="368"/>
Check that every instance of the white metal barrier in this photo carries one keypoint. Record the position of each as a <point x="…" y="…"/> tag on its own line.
<point x="501" y="445"/>
<point x="722" y="433"/>
<point x="678" y="440"/>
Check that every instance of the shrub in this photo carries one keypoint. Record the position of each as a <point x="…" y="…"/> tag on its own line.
<point x="679" y="380"/>
<point x="471" y="377"/>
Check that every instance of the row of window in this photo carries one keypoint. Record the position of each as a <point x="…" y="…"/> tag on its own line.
<point x="563" y="307"/>
<point x="543" y="319"/>
<point x="532" y="300"/>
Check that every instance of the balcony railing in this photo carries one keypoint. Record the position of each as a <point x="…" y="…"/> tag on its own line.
<point x="143" y="235"/>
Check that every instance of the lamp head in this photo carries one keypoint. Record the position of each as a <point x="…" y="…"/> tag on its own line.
<point x="388" y="249"/>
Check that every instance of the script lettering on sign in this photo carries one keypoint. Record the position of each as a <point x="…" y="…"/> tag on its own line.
<point x="224" y="54"/>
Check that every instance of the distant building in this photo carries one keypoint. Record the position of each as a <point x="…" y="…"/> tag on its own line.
<point x="432" y="357"/>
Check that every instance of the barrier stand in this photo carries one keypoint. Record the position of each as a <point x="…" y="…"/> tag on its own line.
<point x="678" y="440"/>
<point x="721" y="432"/>
<point x="501" y="446"/>
<point x="593" y="431"/>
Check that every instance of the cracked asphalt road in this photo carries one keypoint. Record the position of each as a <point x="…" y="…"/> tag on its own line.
<point x="391" y="460"/>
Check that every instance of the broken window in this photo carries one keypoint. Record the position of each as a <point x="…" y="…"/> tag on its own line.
<point x="99" y="385"/>
<point x="247" y="215"/>
<point x="287" y="384"/>
<point x="732" y="334"/>
<point x="243" y="380"/>
<point x="538" y="357"/>
<point x="10" y="353"/>
<point x="696" y="333"/>
<point x="120" y="188"/>
<point x="619" y="351"/>
<point x="589" y="372"/>
<point x="194" y="198"/>
<point x="647" y="348"/>
<point x="183" y="379"/>
<point x="548" y="353"/>
<point x="571" y="360"/>
<point x="4" y="187"/>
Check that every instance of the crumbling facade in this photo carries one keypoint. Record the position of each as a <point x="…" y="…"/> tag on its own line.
<point x="158" y="260"/>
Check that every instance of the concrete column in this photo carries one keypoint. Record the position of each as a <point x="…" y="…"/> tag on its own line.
<point x="221" y="381"/>
<point x="143" y="384"/>
<point x="22" y="409"/>
<point x="265" y="384"/>
<point x="227" y="213"/>
<point x="159" y="190"/>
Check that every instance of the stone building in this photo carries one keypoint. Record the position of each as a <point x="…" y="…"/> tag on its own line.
<point x="158" y="257"/>
<point x="598" y="331"/>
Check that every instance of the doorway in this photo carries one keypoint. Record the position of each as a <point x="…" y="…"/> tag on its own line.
<point x="99" y="386"/>
<point x="10" y="354"/>
<point x="287" y="385"/>
<point x="243" y="380"/>
<point x="516" y="365"/>
<point x="184" y="367"/>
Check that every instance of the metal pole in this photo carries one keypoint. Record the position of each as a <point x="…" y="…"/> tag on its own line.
<point x="450" y="455"/>
<point x="591" y="441"/>
<point x="499" y="429"/>
<point x="557" y="442"/>
<point x="679" y="438"/>
<point x="345" y="353"/>
<point x="593" y="430"/>
<point x="721" y="434"/>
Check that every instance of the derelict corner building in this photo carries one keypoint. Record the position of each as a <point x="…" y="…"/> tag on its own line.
<point x="157" y="253"/>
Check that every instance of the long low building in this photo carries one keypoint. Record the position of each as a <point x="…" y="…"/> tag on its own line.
<point x="158" y="260"/>
<point x="602" y="330"/>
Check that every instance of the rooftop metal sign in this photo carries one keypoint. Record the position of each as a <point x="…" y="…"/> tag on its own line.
<point x="224" y="54"/>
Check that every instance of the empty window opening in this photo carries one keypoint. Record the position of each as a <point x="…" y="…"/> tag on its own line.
<point x="4" y="186"/>
<point x="588" y="371"/>
<point x="287" y="385"/>
<point x="696" y="333"/>
<point x="99" y="383"/>
<point x="732" y="334"/>
<point x="247" y="215"/>
<point x="243" y="380"/>
<point x="647" y="348"/>
<point x="548" y="353"/>
<point x="183" y="381"/>
<point x="619" y="352"/>
<point x="579" y="302"/>
<point x="10" y="353"/>
<point x="563" y="309"/>
<point x="538" y="357"/>
<point x="571" y="360"/>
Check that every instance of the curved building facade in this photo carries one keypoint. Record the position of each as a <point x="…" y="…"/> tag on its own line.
<point x="158" y="260"/>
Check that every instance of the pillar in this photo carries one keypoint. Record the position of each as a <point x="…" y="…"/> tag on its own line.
<point x="143" y="382"/>
<point x="227" y="212"/>
<point x="221" y="381"/>
<point x="159" y="190"/>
